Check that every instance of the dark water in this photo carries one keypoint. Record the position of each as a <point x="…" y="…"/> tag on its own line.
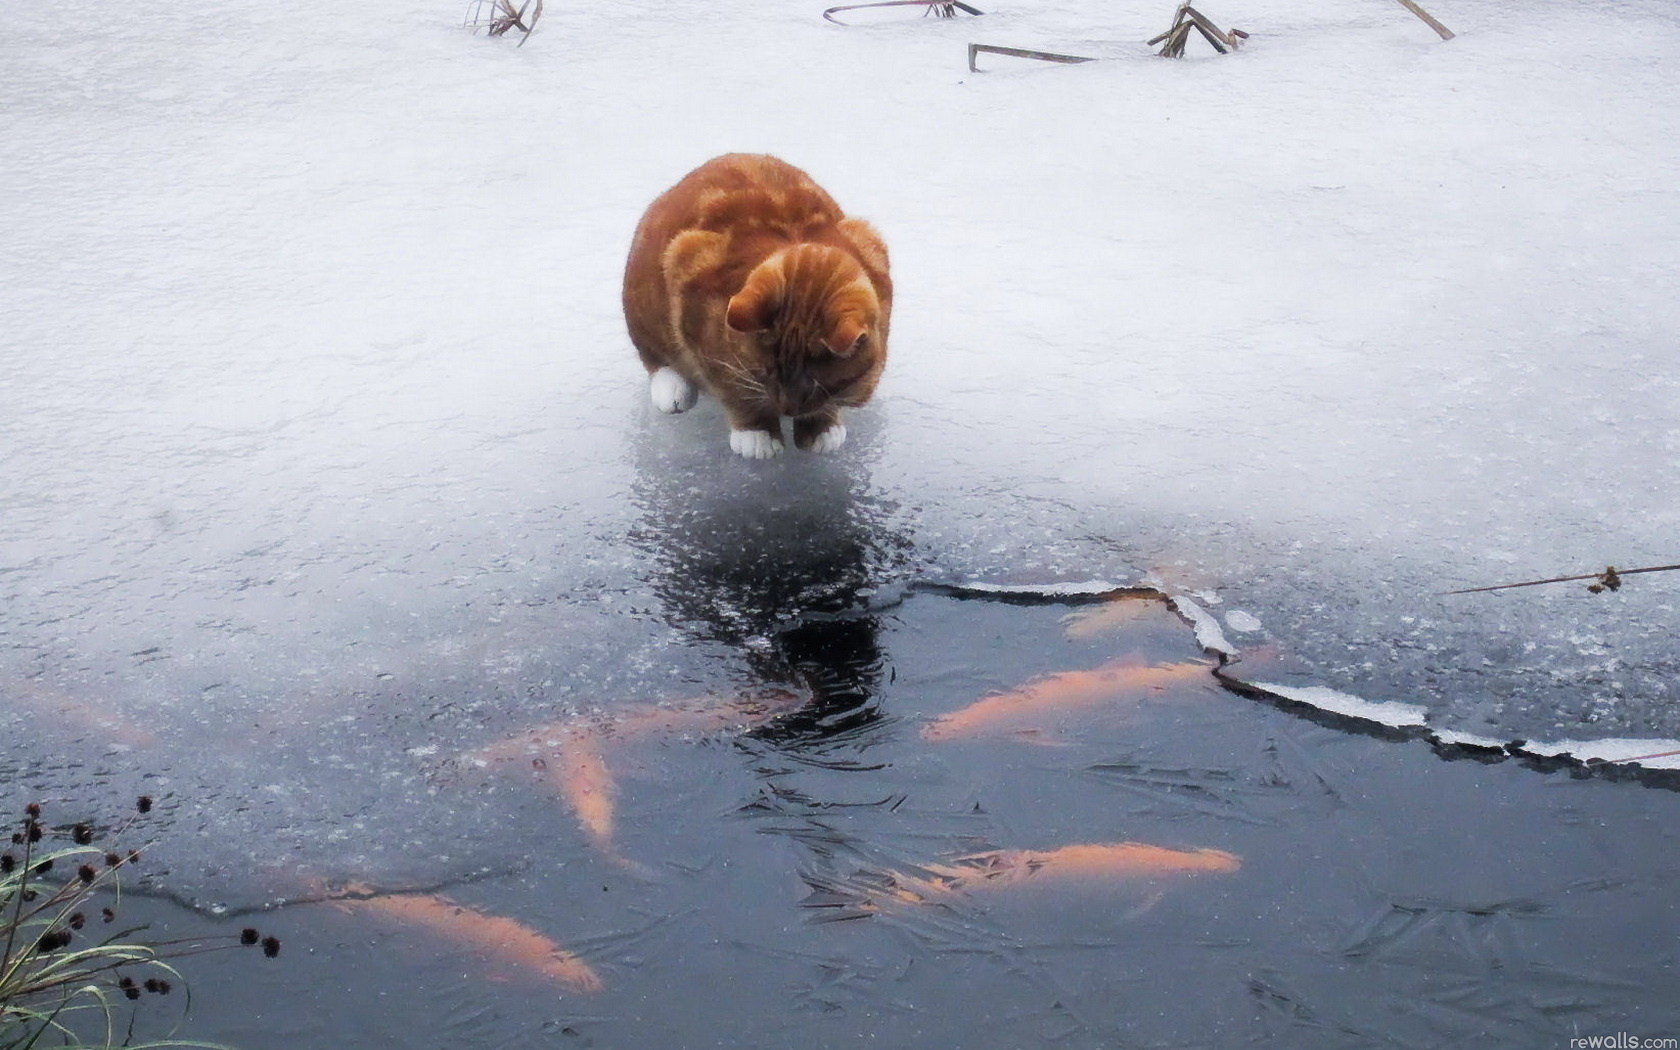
<point x="1385" y="896"/>
<point x="790" y="856"/>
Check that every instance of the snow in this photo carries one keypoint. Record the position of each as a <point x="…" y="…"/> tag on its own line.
<point x="316" y="382"/>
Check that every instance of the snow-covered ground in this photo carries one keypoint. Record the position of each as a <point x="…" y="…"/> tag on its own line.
<point x="315" y="381"/>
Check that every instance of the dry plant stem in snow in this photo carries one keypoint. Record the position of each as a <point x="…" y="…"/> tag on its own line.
<point x="498" y="17"/>
<point x="1608" y="580"/>
<point x="64" y="971"/>
<point x="1442" y="31"/>
<point x="1187" y="18"/>
<point x="936" y="8"/>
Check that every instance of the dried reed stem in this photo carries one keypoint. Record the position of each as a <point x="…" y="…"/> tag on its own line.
<point x="1411" y="5"/>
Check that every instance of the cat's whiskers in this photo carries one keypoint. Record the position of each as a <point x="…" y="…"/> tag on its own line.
<point x="752" y="385"/>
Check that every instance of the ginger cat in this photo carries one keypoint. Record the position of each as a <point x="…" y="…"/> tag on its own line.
<point x="747" y="281"/>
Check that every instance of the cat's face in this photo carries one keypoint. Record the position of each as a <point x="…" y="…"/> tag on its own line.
<point x="817" y="331"/>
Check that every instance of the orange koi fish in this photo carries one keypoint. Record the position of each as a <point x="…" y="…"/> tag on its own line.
<point x="1008" y="711"/>
<point x="709" y="714"/>
<point x="49" y="705"/>
<point x="497" y="937"/>
<point x="1111" y="615"/>
<point x="569" y="758"/>
<point x="567" y="761"/>
<point x="1089" y="864"/>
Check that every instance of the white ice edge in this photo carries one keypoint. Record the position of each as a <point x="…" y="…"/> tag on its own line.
<point x="1387" y="712"/>
<point x="1453" y="736"/>
<point x="1049" y="590"/>
<point x="1652" y="754"/>
<point x="1208" y="633"/>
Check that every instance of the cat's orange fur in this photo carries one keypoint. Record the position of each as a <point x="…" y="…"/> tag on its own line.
<point x="747" y="281"/>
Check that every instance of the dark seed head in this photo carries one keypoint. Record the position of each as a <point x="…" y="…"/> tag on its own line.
<point x="271" y="946"/>
<point x="34" y="832"/>
<point x="29" y="895"/>
<point x="7" y="863"/>
<point x="44" y="867"/>
<point x="144" y="803"/>
<point x="77" y="921"/>
<point x="126" y="982"/>
<point x="133" y="856"/>
<point x="86" y="873"/>
<point x="17" y="838"/>
<point x="108" y="915"/>
<point x="33" y="809"/>
<point x="249" y="935"/>
<point x="52" y="941"/>
<point x="81" y="835"/>
<point x="112" y="860"/>
<point x="131" y="991"/>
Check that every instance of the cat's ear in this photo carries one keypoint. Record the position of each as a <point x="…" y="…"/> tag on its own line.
<point x="846" y="337"/>
<point x="755" y="305"/>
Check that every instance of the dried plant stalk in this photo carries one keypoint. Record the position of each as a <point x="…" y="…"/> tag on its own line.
<point x="1445" y="33"/>
<point x="1187" y="18"/>
<point x="975" y="50"/>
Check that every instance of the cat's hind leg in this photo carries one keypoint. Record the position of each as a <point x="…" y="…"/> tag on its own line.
<point x="671" y="391"/>
<point x="822" y="432"/>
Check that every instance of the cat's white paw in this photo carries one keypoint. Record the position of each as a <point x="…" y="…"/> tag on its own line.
<point x="755" y="444"/>
<point x="830" y="439"/>
<point x="671" y="392"/>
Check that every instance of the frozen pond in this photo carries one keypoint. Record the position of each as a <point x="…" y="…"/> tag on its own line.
<point x="915" y="856"/>
<point x="324" y="461"/>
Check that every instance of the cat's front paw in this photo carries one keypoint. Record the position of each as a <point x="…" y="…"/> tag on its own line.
<point x="755" y="444"/>
<point x="828" y="440"/>
<point x="671" y="391"/>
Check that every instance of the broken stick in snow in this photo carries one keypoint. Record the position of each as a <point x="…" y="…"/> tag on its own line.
<point x="1608" y="580"/>
<point x="1020" y="52"/>
<point x="1446" y="34"/>
<point x="1187" y="18"/>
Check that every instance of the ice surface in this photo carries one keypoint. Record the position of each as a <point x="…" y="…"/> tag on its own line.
<point x="323" y="448"/>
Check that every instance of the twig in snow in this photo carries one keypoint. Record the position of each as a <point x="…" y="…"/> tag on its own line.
<point x="1020" y="52"/>
<point x="1187" y="18"/>
<point x="503" y="16"/>
<point x="1608" y="580"/>
<point x="936" y="8"/>
<point x="1411" y="5"/>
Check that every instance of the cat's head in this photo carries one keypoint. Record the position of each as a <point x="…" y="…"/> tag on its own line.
<point x="819" y="325"/>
